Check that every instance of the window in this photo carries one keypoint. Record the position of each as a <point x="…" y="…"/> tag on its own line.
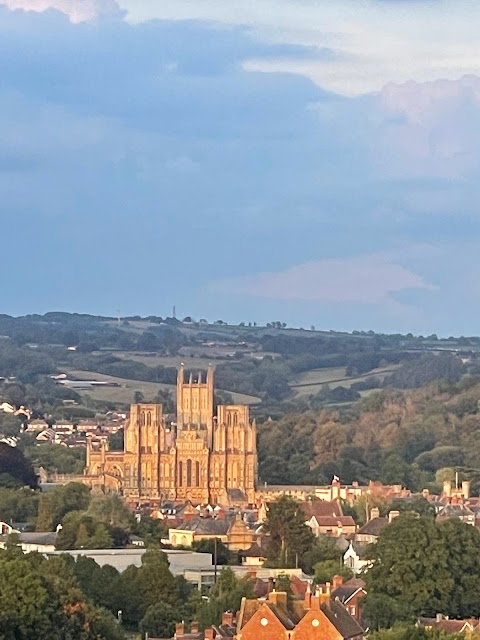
<point x="149" y="419"/>
<point x="197" y="474"/>
<point x="180" y="474"/>
<point x="189" y="473"/>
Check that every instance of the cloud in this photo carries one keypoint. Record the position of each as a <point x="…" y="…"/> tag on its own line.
<point x="76" y="10"/>
<point x="365" y="279"/>
<point x="374" y="42"/>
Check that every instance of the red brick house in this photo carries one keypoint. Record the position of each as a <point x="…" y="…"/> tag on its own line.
<point x="317" y="617"/>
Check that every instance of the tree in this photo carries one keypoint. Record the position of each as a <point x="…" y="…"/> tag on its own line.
<point x="409" y="570"/>
<point x="138" y="397"/>
<point x="462" y="544"/>
<point x="14" y="463"/>
<point x="290" y="538"/>
<point x="159" y="621"/>
<point x="327" y="569"/>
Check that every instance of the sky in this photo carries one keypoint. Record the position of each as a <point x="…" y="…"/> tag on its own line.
<point x="307" y="161"/>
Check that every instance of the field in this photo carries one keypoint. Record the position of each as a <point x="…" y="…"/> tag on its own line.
<point x="124" y="394"/>
<point x="156" y="360"/>
<point x="311" y="382"/>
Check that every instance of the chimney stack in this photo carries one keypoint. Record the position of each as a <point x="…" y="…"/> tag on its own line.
<point x="447" y="488"/>
<point x="466" y="489"/>
<point x="374" y="513"/>
<point x="179" y="630"/>
<point x="194" y="627"/>
<point x="392" y="515"/>
<point x="209" y="634"/>
<point x="278" y="598"/>
<point x="337" y="581"/>
<point x="227" y="619"/>
<point x="308" y="597"/>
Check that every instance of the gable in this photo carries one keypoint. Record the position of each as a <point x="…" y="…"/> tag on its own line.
<point x="263" y="624"/>
<point x="315" y="626"/>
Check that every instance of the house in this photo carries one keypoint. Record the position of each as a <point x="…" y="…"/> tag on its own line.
<point x="459" y="511"/>
<point x="87" y="426"/>
<point x="34" y="426"/>
<point x="41" y="542"/>
<point x="355" y="557"/>
<point x="254" y="556"/>
<point x="370" y="531"/>
<point x="47" y="435"/>
<point x="350" y="594"/>
<point x="332" y="526"/>
<point x="315" y="617"/>
<point x="443" y="623"/>
<point x="233" y="532"/>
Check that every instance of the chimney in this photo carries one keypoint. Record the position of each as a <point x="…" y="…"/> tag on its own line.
<point x="337" y="581"/>
<point x="209" y="634"/>
<point x="308" y="597"/>
<point x="328" y="588"/>
<point x="315" y="601"/>
<point x="374" y="513"/>
<point x="466" y="489"/>
<point x="438" y="617"/>
<point x="447" y="488"/>
<point x="179" y="629"/>
<point x="194" y="626"/>
<point x="279" y="598"/>
<point x="392" y="515"/>
<point x="227" y="619"/>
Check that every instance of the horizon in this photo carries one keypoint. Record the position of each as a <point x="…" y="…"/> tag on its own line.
<point x="317" y="164"/>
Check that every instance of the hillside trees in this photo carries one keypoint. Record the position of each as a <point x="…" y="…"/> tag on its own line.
<point x="421" y="568"/>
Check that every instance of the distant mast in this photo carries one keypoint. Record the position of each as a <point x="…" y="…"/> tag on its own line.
<point x="174" y="312"/>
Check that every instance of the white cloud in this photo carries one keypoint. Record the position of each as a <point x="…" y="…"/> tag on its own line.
<point x="375" y="42"/>
<point x="76" y="10"/>
<point x="365" y="279"/>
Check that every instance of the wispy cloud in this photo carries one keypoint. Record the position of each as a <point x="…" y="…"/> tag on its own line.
<point x="375" y="42"/>
<point x="76" y="10"/>
<point x="364" y="279"/>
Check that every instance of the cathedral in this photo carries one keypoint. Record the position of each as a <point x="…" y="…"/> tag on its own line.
<point x="199" y="456"/>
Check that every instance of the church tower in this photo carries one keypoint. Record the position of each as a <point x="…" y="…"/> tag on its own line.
<point x="195" y="402"/>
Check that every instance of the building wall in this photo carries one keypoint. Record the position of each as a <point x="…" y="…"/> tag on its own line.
<point x="201" y="459"/>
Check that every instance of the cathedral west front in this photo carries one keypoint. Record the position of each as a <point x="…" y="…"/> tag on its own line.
<point x="203" y="456"/>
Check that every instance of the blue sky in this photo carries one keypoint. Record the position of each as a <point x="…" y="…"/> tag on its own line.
<point x="309" y="161"/>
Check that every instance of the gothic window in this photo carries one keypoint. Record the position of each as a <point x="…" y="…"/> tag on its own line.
<point x="180" y="474"/>
<point x="149" y="419"/>
<point x="142" y="418"/>
<point x="229" y="419"/>
<point x="235" y="419"/>
<point x="189" y="473"/>
<point x="197" y="474"/>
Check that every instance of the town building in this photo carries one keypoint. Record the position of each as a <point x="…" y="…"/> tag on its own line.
<point x="202" y="456"/>
<point x="231" y="531"/>
<point x="318" y="616"/>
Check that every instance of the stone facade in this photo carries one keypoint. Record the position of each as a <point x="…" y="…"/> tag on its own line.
<point x="201" y="457"/>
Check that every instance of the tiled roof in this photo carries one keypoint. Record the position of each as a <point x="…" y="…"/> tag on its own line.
<point x="322" y="508"/>
<point x="344" y="592"/>
<point x="207" y="526"/>
<point x="373" y="527"/>
<point x="345" y="624"/>
<point x="334" y="521"/>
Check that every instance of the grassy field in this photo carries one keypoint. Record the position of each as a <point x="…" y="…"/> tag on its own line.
<point x="124" y="394"/>
<point x="156" y="360"/>
<point x="311" y="382"/>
